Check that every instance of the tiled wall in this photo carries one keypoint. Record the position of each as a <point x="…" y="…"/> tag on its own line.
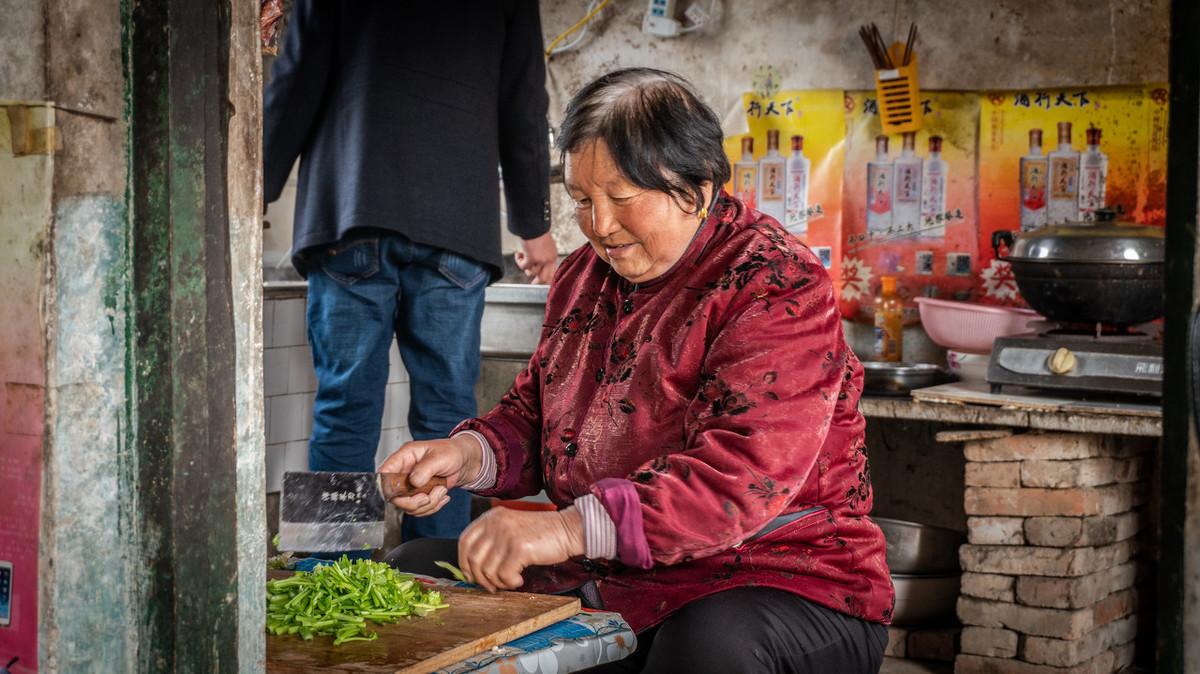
<point x="290" y="386"/>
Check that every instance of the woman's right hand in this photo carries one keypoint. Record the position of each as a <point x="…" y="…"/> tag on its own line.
<point x="455" y="459"/>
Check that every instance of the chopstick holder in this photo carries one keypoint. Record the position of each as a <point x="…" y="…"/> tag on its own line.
<point x="899" y="94"/>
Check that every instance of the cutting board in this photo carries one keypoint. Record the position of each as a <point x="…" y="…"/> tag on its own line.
<point x="474" y="622"/>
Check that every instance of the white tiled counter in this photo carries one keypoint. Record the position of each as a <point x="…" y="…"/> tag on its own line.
<point x="290" y="386"/>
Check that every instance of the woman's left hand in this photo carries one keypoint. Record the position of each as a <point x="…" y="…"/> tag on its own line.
<point x="497" y="547"/>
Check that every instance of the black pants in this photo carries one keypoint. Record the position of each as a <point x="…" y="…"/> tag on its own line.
<point x="744" y="630"/>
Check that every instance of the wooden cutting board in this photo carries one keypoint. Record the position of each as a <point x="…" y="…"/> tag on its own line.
<point x="475" y="622"/>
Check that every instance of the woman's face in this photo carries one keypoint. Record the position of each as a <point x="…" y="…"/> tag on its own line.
<point x="641" y="233"/>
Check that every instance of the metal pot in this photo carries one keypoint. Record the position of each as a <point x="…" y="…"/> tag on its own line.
<point x="893" y="379"/>
<point x="1095" y="272"/>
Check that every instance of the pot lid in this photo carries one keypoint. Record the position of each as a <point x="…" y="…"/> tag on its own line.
<point x="1104" y="240"/>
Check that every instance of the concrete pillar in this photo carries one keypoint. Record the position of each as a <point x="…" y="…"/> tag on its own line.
<point x="130" y="336"/>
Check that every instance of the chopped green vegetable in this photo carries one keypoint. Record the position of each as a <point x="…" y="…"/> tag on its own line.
<point x="454" y="570"/>
<point x="275" y="541"/>
<point x="338" y="599"/>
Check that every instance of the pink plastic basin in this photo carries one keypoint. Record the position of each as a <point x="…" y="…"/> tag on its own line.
<point x="969" y="327"/>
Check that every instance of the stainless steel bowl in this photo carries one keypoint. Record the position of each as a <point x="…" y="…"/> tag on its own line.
<point x="914" y="548"/>
<point x="883" y="379"/>
<point x="924" y="599"/>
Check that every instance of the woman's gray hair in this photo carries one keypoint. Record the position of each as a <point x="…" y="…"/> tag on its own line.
<point x="660" y="134"/>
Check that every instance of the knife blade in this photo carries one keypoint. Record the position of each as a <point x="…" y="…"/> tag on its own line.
<point x="323" y="511"/>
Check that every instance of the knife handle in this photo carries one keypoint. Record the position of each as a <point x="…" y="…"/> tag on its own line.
<point x="392" y="485"/>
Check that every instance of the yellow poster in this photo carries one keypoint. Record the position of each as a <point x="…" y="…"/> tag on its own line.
<point x="1055" y="156"/>
<point x="909" y="203"/>
<point x="789" y="165"/>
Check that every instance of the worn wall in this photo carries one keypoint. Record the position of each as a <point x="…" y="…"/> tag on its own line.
<point x="814" y="44"/>
<point x="22" y="50"/>
<point x="87" y="479"/>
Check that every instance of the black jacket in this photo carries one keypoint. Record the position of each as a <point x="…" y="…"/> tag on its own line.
<point x="402" y="112"/>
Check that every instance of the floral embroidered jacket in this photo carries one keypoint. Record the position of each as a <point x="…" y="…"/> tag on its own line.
<point x="714" y="413"/>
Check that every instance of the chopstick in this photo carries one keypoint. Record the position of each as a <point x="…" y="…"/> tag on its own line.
<point x="877" y="48"/>
<point x="912" y="38"/>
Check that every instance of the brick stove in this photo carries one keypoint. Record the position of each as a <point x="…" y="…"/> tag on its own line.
<point x="1051" y="564"/>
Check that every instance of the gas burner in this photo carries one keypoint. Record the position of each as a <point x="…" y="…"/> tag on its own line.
<point x="1100" y="331"/>
<point x="1129" y="362"/>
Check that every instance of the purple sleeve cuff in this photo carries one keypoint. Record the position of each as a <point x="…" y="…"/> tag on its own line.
<point x="599" y="532"/>
<point x="506" y="448"/>
<point x="486" y="479"/>
<point x="620" y="499"/>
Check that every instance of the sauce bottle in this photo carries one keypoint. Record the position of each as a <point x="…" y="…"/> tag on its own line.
<point x="889" y="322"/>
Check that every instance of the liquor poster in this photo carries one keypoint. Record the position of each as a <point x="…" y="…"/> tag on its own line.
<point x="789" y="165"/>
<point x="909" y="203"/>
<point x="1054" y="156"/>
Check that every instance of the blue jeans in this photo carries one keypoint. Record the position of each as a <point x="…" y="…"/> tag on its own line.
<point x="363" y="291"/>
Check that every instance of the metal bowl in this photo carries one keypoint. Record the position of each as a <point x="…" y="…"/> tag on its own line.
<point x="881" y="378"/>
<point x="924" y="599"/>
<point x="920" y="548"/>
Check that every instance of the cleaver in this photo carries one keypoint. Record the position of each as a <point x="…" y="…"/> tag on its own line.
<point x="338" y="512"/>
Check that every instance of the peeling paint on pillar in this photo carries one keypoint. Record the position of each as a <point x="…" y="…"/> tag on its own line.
<point x="88" y="480"/>
<point x="244" y="170"/>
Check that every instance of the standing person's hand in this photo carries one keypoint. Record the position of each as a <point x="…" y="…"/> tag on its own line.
<point x="496" y="548"/>
<point x="538" y="258"/>
<point x="455" y="459"/>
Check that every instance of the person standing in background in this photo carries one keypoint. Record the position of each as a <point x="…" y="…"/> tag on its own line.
<point x="400" y="114"/>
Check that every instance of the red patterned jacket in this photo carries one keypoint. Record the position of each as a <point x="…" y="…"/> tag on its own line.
<point x="714" y="413"/>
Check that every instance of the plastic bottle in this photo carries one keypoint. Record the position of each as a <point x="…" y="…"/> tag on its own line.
<point x="889" y="322"/>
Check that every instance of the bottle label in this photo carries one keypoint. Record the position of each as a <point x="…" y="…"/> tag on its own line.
<point x="908" y="183"/>
<point x="933" y="194"/>
<point x="797" y="198"/>
<point x="1033" y="184"/>
<point x="773" y="186"/>
<point x="1064" y="176"/>
<point x="879" y="188"/>
<point x="1091" y="190"/>
<point x="745" y="184"/>
<point x="887" y="348"/>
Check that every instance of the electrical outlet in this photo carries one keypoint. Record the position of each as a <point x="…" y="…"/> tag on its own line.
<point x="696" y="13"/>
<point x="660" y="19"/>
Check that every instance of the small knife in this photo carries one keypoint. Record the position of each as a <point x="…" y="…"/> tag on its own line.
<point x="339" y="512"/>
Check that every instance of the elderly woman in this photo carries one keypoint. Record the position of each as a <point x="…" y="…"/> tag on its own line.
<point x="692" y="408"/>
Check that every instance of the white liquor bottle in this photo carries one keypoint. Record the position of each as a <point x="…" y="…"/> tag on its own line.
<point x="906" y="212"/>
<point x="745" y="175"/>
<point x="933" y="191"/>
<point x="1034" y="167"/>
<point x="798" y="168"/>
<point x="1063" y="205"/>
<point x="772" y="186"/>
<point x="879" y="189"/>
<point x="1093" y="172"/>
